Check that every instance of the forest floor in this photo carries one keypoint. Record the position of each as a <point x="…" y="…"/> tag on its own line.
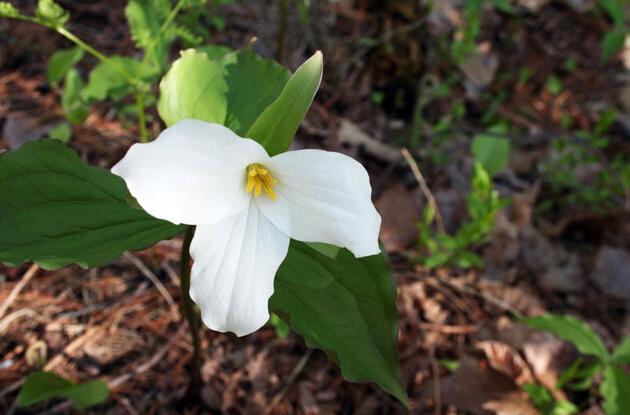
<point x="561" y="246"/>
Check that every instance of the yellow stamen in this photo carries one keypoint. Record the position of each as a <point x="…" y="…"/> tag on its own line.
<point x="258" y="179"/>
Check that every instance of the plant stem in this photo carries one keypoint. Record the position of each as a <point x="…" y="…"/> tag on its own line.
<point x="89" y="49"/>
<point x="192" y="316"/>
<point x="282" y="28"/>
<point x="169" y="19"/>
<point x="144" y="136"/>
<point x="133" y="80"/>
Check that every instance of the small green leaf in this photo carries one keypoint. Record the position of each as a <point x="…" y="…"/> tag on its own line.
<point x="554" y="85"/>
<point x="621" y="355"/>
<point x="87" y="394"/>
<point x="572" y="330"/>
<point x="56" y="210"/>
<point x="194" y="87"/>
<point x="145" y="18"/>
<point x="252" y="85"/>
<point x="282" y="329"/>
<point x="41" y="386"/>
<point x="51" y="12"/>
<point x="346" y="307"/>
<point x="563" y="407"/>
<point x="276" y="126"/>
<point x="8" y="10"/>
<point x="492" y="151"/>
<point x="304" y="7"/>
<point x="62" y="132"/>
<point x="612" y="43"/>
<point x="615" y="389"/>
<point x="614" y="9"/>
<point x="108" y="79"/>
<point x="74" y="107"/>
<point x="61" y="61"/>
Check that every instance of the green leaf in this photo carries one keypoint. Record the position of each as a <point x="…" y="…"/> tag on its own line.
<point x="563" y="407"/>
<point x="108" y="79"/>
<point x="231" y="90"/>
<point x="304" y="8"/>
<point x="74" y="107"/>
<point x="252" y="85"/>
<point x="61" y="61"/>
<point x="614" y="9"/>
<point x="8" y="10"/>
<point x="615" y="389"/>
<point x="612" y="42"/>
<point x="56" y="210"/>
<point x="554" y="85"/>
<point x="87" y="394"/>
<point x="193" y="87"/>
<point x="491" y="151"/>
<point x="62" y="132"/>
<point x="346" y="307"/>
<point x="572" y="330"/>
<point x="621" y="355"/>
<point x="145" y="18"/>
<point x="41" y="386"/>
<point x="51" y="12"/>
<point x="276" y="126"/>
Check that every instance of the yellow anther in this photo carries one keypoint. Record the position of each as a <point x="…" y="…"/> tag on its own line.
<point x="258" y="179"/>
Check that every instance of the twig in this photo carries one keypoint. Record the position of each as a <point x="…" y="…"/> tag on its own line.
<point x="155" y="280"/>
<point x="30" y="273"/>
<point x="424" y="188"/>
<point x="446" y="329"/>
<point x="299" y="367"/>
<point x="437" y="386"/>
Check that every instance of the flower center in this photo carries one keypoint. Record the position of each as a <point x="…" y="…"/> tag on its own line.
<point x="258" y="179"/>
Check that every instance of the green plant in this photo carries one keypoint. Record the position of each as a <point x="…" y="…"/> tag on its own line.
<point x="154" y="26"/>
<point x="492" y="149"/>
<point x="42" y="386"/>
<point x="465" y="42"/>
<point x="607" y="181"/>
<point x="614" y="39"/>
<point x="546" y="403"/>
<point x="57" y="210"/>
<point x="615" y="387"/>
<point x="444" y="249"/>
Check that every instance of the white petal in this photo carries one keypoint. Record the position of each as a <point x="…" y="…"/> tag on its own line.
<point x="323" y="196"/>
<point x="193" y="173"/>
<point x="235" y="264"/>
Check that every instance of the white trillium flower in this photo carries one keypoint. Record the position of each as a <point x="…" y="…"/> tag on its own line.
<point x="246" y="206"/>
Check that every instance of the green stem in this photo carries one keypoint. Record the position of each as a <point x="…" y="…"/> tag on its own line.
<point x="282" y="28"/>
<point x="144" y="136"/>
<point x="89" y="49"/>
<point x="165" y="25"/>
<point x="192" y="316"/>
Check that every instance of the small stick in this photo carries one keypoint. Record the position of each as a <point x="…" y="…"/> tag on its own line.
<point x="155" y="280"/>
<point x="30" y="273"/>
<point x="299" y="367"/>
<point x="424" y="188"/>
